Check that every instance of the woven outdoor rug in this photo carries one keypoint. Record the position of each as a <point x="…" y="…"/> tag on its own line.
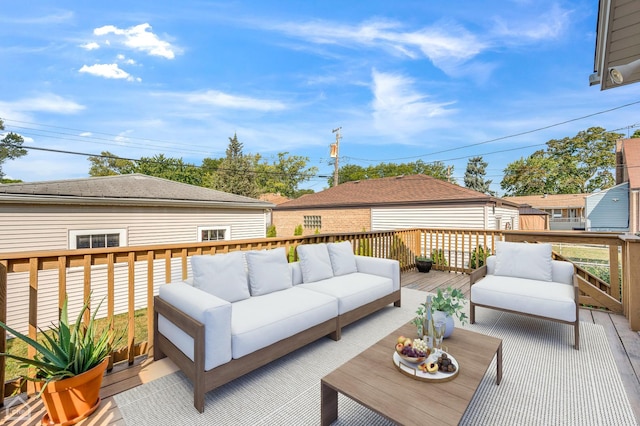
<point x="545" y="381"/>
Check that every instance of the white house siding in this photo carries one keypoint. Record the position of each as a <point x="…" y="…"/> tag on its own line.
<point x="449" y="217"/>
<point x="39" y="227"/>
<point x="608" y="210"/>
<point x="47" y="228"/>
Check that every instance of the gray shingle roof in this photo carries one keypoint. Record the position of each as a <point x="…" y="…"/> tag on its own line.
<point x="127" y="188"/>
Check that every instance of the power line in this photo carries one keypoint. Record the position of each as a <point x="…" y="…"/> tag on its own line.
<point x="512" y="135"/>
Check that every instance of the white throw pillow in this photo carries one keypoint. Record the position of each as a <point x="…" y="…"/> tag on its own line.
<point x="523" y="260"/>
<point x="268" y="271"/>
<point x="314" y="262"/>
<point x="223" y="275"/>
<point x="343" y="261"/>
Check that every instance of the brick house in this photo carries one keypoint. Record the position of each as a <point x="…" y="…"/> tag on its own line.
<point x="394" y="203"/>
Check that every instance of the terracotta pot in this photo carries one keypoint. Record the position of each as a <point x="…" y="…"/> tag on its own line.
<point x="70" y="400"/>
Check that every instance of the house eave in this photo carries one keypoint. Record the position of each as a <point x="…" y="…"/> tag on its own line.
<point x="140" y="202"/>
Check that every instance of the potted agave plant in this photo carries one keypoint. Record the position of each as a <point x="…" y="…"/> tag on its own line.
<point x="69" y="366"/>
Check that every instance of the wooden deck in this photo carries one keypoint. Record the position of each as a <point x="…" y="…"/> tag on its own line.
<point x="625" y="345"/>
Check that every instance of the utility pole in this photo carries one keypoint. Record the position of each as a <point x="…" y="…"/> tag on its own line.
<point x="335" y="150"/>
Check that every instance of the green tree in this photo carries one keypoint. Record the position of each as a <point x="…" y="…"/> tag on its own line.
<point x="170" y="168"/>
<point x="283" y="175"/>
<point x="636" y="134"/>
<point x="10" y="147"/>
<point x="236" y="173"/>
<point x="108" y="164"/>
<point x="580" y="164"/>
<point x="474" y="176"/>
<point x="351" y="172"/>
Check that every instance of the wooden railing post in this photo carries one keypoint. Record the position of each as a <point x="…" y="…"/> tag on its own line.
<point x="631" y="280"/>
<point x="3" y="318"/>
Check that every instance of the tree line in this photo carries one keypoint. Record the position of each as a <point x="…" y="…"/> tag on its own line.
<point x="583" y="163"/>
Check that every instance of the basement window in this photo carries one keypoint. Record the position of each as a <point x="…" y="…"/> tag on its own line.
<point x="97" y="238"/>
<point x="215" y="233"/>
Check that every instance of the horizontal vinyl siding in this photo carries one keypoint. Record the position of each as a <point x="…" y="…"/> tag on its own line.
<point x="25" y="228"/>
<point x="506" y="216"/>
<point x="427" y="217"/>
<point x="608" y="210"/>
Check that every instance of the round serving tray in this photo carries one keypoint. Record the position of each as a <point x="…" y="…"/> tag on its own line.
<point x="411" y="369"/>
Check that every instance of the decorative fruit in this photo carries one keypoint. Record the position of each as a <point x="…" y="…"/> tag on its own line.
<point x="408" y="342"/>
<point x="423" y="367"/>
<point x="401" y="339"/>
<point x="421" y="345"/>
<point x="399" y="347"/>
<point x="445" y="365"/>
<point x="431" y="367"/>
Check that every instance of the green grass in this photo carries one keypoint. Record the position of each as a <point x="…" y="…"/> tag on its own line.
<point x="18" y="347"/>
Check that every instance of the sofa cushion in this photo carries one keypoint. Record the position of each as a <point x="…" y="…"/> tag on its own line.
<point x="353" y="290"/>
<point x="268" y="271"/>
<point x="532" y="261"/>
<point x="314" y="262"/>
<point x="258" y="322"/>
<point x="223" y="275"/>
<point x="343" y="261"/>
<point x="544" y="298"/>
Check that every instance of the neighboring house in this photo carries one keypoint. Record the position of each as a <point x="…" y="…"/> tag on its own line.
<point x="415" y="201"/>
<point x="608" y="210"/>
<point x="628" y="171"/>
<point x="123" y="210"/>
<point x="114" y="211"/>
<point x="566" y="210"/>
<point x="273" y="199"/>
<point x="533" y="219"/>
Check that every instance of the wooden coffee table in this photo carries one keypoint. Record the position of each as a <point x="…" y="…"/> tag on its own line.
<point x="372" y="380"/>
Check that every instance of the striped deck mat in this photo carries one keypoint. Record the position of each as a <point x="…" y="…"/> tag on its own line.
<point x="545" y="381"/>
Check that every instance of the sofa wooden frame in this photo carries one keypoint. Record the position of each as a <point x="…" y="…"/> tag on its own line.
<point x="204" y="381"/>
<point x="481" y="272"/>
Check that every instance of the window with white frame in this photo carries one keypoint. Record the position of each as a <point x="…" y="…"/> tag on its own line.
<point x="97" y="238"/>
<point x="214" y="233"/>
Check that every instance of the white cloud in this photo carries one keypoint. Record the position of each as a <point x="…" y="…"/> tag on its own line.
<point x="86" y="134"/>
<point x="399" y="109"/>
<point x="90" y="46"/>
<point x="443" y="43"/>
<point x="140" y="38"/>
<point x="108" y="71"/>
<point x="221" y="99"/>
<point x="549" y="25"/>
<point x="47" y="102"/>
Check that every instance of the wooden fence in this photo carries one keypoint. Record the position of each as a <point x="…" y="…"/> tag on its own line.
<point x="146" y="266"/>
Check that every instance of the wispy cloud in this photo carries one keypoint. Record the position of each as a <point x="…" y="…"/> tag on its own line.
<point x="226" y="100"/>
<point x="444" y="43"/>
<point x="108" y="71"/>
<point x="54" y="18"/>
<point x="400" y="109"/>
<point x="549" y="25"/>
<point x="141" y="38"/>
<point x="47" y="102"/>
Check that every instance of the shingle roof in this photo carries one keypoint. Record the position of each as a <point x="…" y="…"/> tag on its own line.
<point x="556" y="201"/>
<point x="631" y="152"/>
<point x="528" y="210"/>
<point x="414" y="189"/>
<point x="126" y="188"/>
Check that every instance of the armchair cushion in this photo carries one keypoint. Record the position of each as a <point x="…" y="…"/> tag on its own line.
<point x="223" y="275"/>
<point x="532" y="261"/>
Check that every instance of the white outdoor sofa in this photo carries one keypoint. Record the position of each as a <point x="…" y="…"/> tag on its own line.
<point x="243" y="310"/>
<point x="522" y="278"/>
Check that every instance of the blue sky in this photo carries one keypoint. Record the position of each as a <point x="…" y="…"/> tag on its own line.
<point x="405" y="80"/>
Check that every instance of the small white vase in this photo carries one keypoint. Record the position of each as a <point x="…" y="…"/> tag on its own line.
<point x="448" y="319"/>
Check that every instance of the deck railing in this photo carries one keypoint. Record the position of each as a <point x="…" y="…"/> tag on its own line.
<point x="35" y="283"/>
